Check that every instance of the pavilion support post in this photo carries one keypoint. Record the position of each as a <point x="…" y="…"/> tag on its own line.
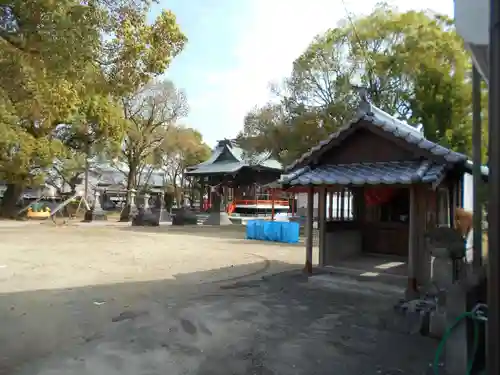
<point x="272" y="204"/>
<point x="309" y="230"/>
<point x="452" y="191"/>
<point x="413" y="243"/>
<point x="322" y="225"/>
<point x="225" y="192"/>
<point x="423" y="269"/>
<point x="202" y="194"/>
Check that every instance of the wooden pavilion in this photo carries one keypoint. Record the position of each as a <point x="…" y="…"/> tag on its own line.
<point x="401" y="185"/>
<point x="230" y="173"/>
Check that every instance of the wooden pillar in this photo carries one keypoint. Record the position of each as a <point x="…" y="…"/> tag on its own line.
<point x="423" y="269"/>
<point x="309" y="229"/>
<point x="202" y="194"/>
<point x="411" y="290"/>
<point x="322" y="224"/>
<point x="453" y="199"/>
<point x="272" y="204"/>
<point x="225" y="196"/>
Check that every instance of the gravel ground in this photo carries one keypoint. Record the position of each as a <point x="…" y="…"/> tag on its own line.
<point x="118" y="300"/>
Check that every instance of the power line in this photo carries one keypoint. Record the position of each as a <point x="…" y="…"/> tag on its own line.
<point x="356" y="35"/>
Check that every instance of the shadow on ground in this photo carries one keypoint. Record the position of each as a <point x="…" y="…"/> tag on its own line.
<point x="236" y="232"/>
<point x="230" y="231"/>
<point x="276" y="324"/>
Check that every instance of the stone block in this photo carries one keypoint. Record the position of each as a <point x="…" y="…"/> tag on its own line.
<point x="94" y="215"/>
<point x="218" y="218"/>
<point x="185" y="217"/>
<point x="145" y="219"/>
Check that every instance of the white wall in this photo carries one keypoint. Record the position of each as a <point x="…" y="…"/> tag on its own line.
<point x="302" y="204"/>
<point x="468" y="192"/>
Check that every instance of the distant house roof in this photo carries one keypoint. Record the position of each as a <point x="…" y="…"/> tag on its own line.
<point x="370" y="116"/>
<point x="228" y="157"/>
<point x="109" y="174"/>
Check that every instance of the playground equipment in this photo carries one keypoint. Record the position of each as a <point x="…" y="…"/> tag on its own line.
<point x="38" y="211"/>
<point x="59" y="209"/>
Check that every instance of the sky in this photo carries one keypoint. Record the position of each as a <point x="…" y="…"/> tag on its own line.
<point x="237" y="47"/>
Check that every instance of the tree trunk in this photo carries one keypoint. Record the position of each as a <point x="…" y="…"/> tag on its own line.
<point x="9" y="201"/>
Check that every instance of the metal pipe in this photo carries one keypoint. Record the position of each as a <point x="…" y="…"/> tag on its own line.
<point x="477" y="217"/>
<point x="493" y="329"/>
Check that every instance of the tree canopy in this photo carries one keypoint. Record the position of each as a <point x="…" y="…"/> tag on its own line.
<point x="413" y="65"/>
<point x="66" y="66"/>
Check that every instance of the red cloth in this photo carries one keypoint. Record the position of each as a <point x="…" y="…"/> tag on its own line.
<point x="378" y="195"/>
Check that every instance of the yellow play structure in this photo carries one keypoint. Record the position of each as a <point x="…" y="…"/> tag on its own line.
<point x="38" y="211"/>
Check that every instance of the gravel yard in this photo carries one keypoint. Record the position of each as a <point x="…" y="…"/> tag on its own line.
<point x="99" y="299"/>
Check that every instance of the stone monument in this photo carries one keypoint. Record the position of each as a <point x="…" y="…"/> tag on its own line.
<point x="95" y="212"/>
<point x="218" y="215"/>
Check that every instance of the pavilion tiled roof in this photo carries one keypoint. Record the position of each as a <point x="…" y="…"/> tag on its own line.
<point x="228" y="157"/>
<point x="370" y="114"/>
<point x="390" y="173"/>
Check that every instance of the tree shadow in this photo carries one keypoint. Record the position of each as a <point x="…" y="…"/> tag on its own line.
<point x="241" y="319"/>
<point x="236" y="232"/>
<point x="229" y="231"/>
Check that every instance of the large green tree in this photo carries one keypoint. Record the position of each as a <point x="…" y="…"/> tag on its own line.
<point x="67" y="63"/>
<point x="413" y="65"/>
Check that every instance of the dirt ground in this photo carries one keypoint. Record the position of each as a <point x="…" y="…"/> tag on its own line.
<point x="119" y="300"/>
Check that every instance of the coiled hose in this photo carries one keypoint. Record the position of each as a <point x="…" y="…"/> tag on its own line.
<point x="478" y="316"/>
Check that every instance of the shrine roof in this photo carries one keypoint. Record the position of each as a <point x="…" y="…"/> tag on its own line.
<point x="368" y="115"/>
<point x="379" y="173"/>
<point x="228" y="157"/>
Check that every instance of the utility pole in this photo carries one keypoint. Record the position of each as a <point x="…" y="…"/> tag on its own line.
<point x="476" y="169"/>
<point x="493" y="325"/>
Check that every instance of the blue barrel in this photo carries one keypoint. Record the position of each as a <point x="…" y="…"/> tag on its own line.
<point x="260" y="230"/>
<point x="290" y="232"/>
<point x="276" y="231"/>
<point x="252" y="230"/>
<point x="272" y="231"/>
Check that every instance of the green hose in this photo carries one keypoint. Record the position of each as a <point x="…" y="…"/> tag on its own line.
<point x="440" y="348"/>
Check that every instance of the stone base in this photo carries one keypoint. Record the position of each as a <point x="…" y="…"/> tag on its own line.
<point x="218" y="218"/>
<point x="165" y="216"/>
<point x="92" y="215"/>
<point x="127" y="214"/>
<point x="438" y="324"/>
<point x="185" y="217"/>
<point x="146" y="219"/>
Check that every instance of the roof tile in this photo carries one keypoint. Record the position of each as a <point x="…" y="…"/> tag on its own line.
<point x="370" y="113"/>
<point x="239" y="160"/>
<point x="402" y="172"/>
